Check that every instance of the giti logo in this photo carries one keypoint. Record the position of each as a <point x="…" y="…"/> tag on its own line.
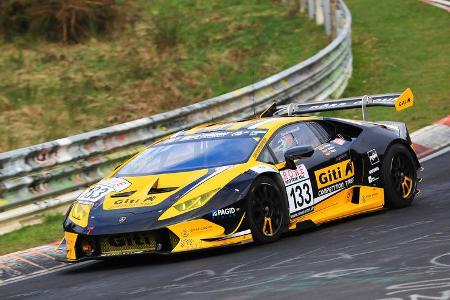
<point x="405" y="100"/>
<point x="335" y="173"/>
<point x="112" y="203"/>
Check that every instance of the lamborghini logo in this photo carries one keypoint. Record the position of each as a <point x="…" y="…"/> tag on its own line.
<point x="334" y="173"/>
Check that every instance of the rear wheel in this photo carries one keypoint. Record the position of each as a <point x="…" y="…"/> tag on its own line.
<point x="265" y="210"/>
<point x="400" y="176"/>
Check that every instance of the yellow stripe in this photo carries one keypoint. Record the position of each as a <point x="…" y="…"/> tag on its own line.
<point x="239" y="225"/>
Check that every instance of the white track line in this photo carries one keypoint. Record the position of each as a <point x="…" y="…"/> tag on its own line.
<point x="42" y="272"/>
<point x="435" y="154"/>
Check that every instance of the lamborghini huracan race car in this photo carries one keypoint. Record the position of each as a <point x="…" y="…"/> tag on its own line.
<point x="248" y="181"/>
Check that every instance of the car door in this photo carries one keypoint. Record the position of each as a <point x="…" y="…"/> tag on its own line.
<point x="327" y="171"/>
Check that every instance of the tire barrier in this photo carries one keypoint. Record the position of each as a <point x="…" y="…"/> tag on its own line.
<point x="46" y="171"/>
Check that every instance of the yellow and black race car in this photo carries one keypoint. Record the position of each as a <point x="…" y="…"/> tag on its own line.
<point x="247" y="181"/>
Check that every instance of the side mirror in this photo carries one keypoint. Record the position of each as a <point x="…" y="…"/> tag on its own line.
<point x="297" y="152"/>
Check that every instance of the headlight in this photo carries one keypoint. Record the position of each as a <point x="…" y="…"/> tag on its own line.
<point x="194" y="202"/>
<point x="183" y="206"/>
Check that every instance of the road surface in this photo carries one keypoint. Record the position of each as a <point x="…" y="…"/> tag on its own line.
<point x="396" y="254"/>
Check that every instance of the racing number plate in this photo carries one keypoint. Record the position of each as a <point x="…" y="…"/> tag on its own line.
<point x="299" y="191"/>
<point x="102" y="188"/>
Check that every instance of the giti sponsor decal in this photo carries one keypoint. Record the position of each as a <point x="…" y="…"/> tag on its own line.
<point x="334" y="174"/>
<point x="112" y="203"/>
<point x="324" y="193"/>
<point x="405" y="100"/>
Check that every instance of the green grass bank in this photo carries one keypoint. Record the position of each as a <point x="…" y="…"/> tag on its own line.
<point x="167" y="55"/>
<point x="399" y="44"/>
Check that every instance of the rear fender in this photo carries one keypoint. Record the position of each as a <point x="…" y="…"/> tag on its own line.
<point x="401" y="127"/>
<point x="410" y="149"/>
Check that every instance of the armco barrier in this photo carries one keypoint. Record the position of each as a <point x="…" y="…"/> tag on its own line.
<point x="39" y="173"/>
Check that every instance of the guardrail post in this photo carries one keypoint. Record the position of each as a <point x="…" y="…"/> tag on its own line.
<point x="339" y="18"/>
<point x="333" y="18"/>
<point x="303" y="5"/>
<point x="311" y="10"/>
<point x="326" y="16"/>
<point x="319" y="12"/>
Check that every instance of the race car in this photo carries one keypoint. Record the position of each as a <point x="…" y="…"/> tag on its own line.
<point x="232" y="183"/>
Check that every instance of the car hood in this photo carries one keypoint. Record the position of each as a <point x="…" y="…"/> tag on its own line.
<point x="147" y="192"/>
<point x="142" y="200"/>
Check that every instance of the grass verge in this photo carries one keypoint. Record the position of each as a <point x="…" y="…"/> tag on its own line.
<point x="31" y="236"/>
<point x="170" y="54"/>
<point x="399" y="44"/>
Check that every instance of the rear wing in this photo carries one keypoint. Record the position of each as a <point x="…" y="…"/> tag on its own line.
<point x="399" y="101"/>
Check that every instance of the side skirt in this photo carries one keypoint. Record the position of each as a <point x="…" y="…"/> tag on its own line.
<point x="349" y="202"/>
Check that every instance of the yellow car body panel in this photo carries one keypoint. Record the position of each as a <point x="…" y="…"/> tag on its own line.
<point x="142" y="184"/>
<point x="79" y="214"/>
<point x="340" y="206"/>
<point x="70" y="240"/>
<point x="194" y="235"/>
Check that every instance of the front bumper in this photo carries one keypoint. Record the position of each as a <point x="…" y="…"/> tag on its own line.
<point x="182" y="237"/>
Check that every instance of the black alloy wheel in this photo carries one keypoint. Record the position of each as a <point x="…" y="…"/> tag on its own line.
<point x="400" y="176"/>
<point x="265" y="210"/>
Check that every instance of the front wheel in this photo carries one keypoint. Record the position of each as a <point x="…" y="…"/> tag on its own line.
<point x="400" y="177"/>
<point x="265" y="210"/>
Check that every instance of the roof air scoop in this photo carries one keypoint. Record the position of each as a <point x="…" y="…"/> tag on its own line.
<point x="155" y="190"/>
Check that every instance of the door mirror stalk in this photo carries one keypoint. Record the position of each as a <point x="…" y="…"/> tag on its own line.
<point x="295" y="153"/>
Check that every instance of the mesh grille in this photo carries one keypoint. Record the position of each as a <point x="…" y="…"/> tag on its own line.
<point x="128" y="243"/>
<point x="173" y="239"/>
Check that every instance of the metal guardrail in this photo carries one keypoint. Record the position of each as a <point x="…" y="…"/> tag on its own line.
<point x="54" y="169"/>
<point x="442" y="4"/>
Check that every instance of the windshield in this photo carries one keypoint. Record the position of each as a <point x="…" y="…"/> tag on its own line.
<point x="193" y="152"/>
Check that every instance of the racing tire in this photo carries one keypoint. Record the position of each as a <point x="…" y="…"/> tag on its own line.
<point x="265" y="210"/>
<point x="400" y="177"/>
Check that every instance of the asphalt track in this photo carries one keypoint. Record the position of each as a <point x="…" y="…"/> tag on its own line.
<point x="397" y="254"/>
